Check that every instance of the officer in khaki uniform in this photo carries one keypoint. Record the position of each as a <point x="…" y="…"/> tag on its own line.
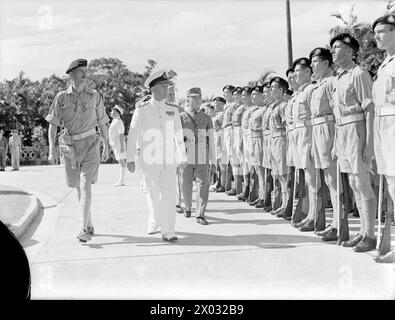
<point x="384" y="99"/>
<point x="220" y="149"/>
<point x="156" y="131"/>
<point x="237" y="147"/>
<point x="246" y="142"/>
<point x="79" y="110"/>
<point x="278" y="87"/>
<point x="323" y="134"/>
<point x="302" y="140"/>
<point x="289" y="127"/>
<point x="199" y="140"/>
<point x="15" y="146"/>
<point x="228" y="135"/>
<point x="353" y="109"/>
<point x="257" y="140"/>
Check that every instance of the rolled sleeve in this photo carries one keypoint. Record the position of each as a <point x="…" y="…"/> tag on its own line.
<point x="102" y="117"/>
<point x="54" y="116"/>
<point x="363" y="86"/>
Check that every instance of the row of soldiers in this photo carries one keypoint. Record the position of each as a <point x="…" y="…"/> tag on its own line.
<point x="336" y="131"/>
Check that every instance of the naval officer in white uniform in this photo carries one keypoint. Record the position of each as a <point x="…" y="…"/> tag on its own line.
<point x="156" y="129"/>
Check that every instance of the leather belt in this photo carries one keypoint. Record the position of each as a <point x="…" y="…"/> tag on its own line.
<point x="236" y="125"/>
<point x="83" y="135"/>
<point x="350" y="119"/>
<point x="383" y="111"/>
<point x="323" y="119"/>
<point x="279" y="134"/>
<point x="190" y="139"/>
<point x="301" y="124"/>
<point x="256" y="133"/>
<point x="266" y="132"/>
<point x="228" y="125"/>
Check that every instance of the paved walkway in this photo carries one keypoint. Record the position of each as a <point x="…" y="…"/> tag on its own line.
<point x="242" y="254"/>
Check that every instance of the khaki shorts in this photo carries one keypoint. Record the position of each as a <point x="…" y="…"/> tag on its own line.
<point x="278" y="156"/>
<point x="87" y="153"/>
<point x="301" y="139"/>
<point x="322" y="144"/>
<point x="256" y="151"/>
<point x="349" y="145"/>
<point x="384" y="144"/>
<point x="266" y="162"/>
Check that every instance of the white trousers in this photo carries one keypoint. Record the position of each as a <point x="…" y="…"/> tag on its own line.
<point x="161" y="196"/>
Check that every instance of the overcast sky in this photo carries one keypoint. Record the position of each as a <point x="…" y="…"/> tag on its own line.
<point x="208" y="43"/>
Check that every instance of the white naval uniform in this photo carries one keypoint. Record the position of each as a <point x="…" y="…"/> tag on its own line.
<point x="156" y="129"/>
<point x="116" y="129"/>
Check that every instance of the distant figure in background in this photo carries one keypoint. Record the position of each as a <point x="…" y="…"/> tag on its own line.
<point x="117" y="141"/>
<point x="3" y="150"/>
<point x="15" y="146"/>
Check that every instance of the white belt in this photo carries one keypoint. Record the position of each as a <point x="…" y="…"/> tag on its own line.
<point x="385" y="111"/>
<point x="350" y="119"/>
<point x="84" y="134"/>
<point x="278" y="134"/>
<point x="256" y="133"/>
<point x="190" y="140"/>
<point x="301" y="124"/>
<point x="266" y="132"/>
<point x="323" y="119"/>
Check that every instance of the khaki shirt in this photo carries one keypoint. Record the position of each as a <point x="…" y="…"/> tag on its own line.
<point x="277" y="117"/>
<point x="256" y="118"/>
<point x="218" y="120"/>
<point x="245" y="119"/>
<point x="3" y="143"/>
<point x="79" y="113"/>
<point x="301" y="107"/>
<point x="199" y="134"/>
<point x="237" y="115"/>
<point x="228" y="113"/>
<point x="266" y="117"/>
<point x="352" y="90"/>
<point x="384" y="86"/>
<point x="288" y="110"/>
<point x="321" y="98"/>
<point x="15" y="143"/>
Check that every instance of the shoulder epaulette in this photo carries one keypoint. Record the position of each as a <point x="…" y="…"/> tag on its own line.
<point x="140" y="104"/>
<point x="171" y="104"/>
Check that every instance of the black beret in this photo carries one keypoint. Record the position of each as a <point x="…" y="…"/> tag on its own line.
<point x="258" y="89"/>
<point x="237" y="90"/>
<point x="288" y="71"/>
<point x="323" y="53"/>
<point x="387" y="19"/>
<point x="219" y="99"/>
<point x="303" y="62"/>
<point x="77" y="63"/>
<point x="266" y="84"/>
<point x="347" y="39"/>
<point x="280" y="81"/>
<point x="228" y="86"/>
<point x="247" y="89"/>
<point x="289" y="92"/>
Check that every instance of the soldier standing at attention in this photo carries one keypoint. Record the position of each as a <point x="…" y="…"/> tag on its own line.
<point x="289" y="127"/>
<point x="278" y="151"/>
<point x="237" y="146"/>
<point x="79" y="110"/>
<point x="219" y="142"/>
<point x="156" y="130"/>
<point x="199" y="140"/>
<point x="302" y="138"/>
<point x="323" y="122"/>
<point x="384" y="99"/>
<point x="353" y="109"/>
<point x="246" y="135"/>
<point x="228" y="135"/>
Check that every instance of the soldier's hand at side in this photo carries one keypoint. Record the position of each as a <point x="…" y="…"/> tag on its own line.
<point x="367" y="153"/>
<point x="131" y="166"/>
<point x="52" y="155"/>
<point x="183" y="165"/>
<point x="105" y="154"/>
<point x="213" y="168"/>
<point x="333" y="154"/>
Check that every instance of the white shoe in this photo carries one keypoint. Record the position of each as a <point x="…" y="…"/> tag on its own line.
<point x="153" y="230"/>
<point x="119" y="184"/>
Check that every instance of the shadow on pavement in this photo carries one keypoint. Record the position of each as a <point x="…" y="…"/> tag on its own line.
<point x="264" y="241"/>
<point x="236" y="210"/>
<point x="261" y="222"/>
<point x="13" y="192"/>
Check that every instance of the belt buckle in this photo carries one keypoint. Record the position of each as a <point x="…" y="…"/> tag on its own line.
<point x="193" y="140"/>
